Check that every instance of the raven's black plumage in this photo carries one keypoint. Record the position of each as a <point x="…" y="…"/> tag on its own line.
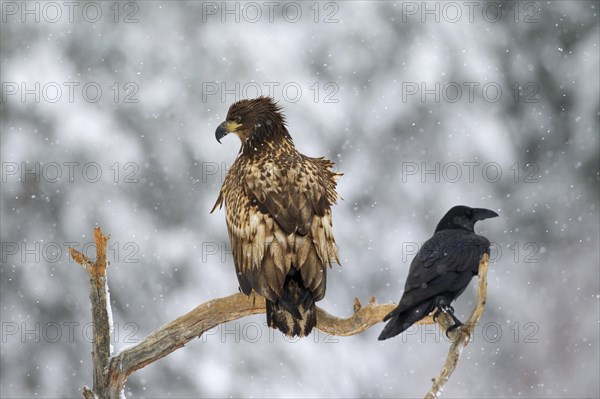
<point x="442" y="269"/>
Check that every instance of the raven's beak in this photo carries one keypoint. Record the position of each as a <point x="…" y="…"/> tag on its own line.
<point x="221" y="132"/>
<point x="482" y="213"/>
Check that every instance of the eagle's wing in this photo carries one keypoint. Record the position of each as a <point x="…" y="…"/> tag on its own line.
<point x="445" y="263"/>
<point x="278" y="215"/>
<point x="292" y="193"/>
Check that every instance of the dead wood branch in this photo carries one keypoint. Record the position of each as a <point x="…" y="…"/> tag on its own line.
<point x="462" y="335"/>
<point x="112" y="371"/>
<point x="100" y="313"/>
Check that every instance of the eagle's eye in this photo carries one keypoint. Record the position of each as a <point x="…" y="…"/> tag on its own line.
<point x="237" y="119"/>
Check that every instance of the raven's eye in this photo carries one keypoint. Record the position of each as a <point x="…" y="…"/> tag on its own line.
<point x="469" y="214"/>
<point x="237" y="119"/>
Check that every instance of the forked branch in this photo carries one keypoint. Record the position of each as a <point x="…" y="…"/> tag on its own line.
<point x="111" y="371"/>
<point x="100" y="313"/>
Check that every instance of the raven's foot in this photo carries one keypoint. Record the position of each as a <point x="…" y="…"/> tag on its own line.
<point x="453" y="327"/>
<point x="436" y="314"/>
<point x="449" y="310"/>
<point x="441" y="307"/>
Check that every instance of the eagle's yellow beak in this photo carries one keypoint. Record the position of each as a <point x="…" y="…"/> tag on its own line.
<point x="225" y="128"/>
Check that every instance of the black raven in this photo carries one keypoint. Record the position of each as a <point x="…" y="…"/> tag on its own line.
<point x="441" y="270"/>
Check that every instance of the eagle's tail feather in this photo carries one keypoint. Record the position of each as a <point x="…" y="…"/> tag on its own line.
<point x="401" y="321"/>
<point x="294" y="313"/>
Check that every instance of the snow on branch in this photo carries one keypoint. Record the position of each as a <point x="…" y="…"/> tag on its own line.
<point x="111" y="371"/>
<point x="100" y="313"/>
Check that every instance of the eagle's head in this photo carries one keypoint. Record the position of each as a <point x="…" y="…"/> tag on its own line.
<point x="257" y="120"/>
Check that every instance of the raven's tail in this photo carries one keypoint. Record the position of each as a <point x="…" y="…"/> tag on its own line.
<point x="294" y="313"/>
<point x="400" y="321"/>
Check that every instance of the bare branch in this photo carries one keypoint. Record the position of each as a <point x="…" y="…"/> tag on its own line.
<point x="100" y="316"/>
<point x="88" y="393"/>
<point x="363" y="318"/>
<point x="81" y="259"/>
<point x="177" y="333"/>
<point x="461" y="336"/>
<point x="111" y="372"/>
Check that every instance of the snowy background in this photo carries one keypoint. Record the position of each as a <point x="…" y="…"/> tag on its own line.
<point x="108" y="119"/>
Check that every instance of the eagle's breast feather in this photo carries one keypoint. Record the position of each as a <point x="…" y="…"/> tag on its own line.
<point x="278" y="212"/>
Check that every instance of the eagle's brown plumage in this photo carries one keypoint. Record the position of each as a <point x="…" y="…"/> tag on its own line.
<point x="278" y="212"/>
